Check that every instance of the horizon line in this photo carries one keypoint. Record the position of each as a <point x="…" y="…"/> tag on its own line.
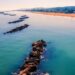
<point x="35" y="7"/>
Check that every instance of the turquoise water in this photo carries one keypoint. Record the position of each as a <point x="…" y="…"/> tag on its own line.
<point x="58" y="31"/>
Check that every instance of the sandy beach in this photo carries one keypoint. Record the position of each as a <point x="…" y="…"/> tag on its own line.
<point x="56" y="14"/>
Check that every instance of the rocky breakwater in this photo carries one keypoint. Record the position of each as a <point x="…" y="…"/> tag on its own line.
<point x="31" y="63"/>
<point x="17" y="29"/>
<point x="22" y="18"/>
<point x="5" y="13"/>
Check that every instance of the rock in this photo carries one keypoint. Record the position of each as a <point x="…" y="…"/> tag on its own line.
<point x="4" y="13"/>
<point x="22" y="18"/>
<point x="31" y="63"/>
<point x="17" y="29"/>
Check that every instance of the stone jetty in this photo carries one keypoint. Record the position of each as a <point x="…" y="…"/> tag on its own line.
<point x="22" y="18"/>
<point x="17" y="29"/>
<point x="32" y="62"/>
<point x="16" y="21"/>
<point x="5" y="13"/>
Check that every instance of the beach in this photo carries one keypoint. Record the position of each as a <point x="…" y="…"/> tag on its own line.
<point x="57" y="14"/>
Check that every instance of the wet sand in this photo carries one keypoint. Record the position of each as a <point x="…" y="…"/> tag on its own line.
<point x="57" y="14"/>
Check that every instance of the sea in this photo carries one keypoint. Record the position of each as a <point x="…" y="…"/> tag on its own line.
<point x="57" y="31"/>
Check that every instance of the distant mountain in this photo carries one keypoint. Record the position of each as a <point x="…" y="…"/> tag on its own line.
<point x="67" y="9"/>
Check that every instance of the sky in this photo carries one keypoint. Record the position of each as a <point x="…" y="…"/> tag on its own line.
<point x="17" y="4"/>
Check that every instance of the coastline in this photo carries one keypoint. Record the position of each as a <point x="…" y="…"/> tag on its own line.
<point x="56" y="14"/>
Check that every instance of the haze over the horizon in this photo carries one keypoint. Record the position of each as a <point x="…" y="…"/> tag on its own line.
<point x="17" y="4"/>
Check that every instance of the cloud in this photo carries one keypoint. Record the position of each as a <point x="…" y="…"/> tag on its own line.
<point x="16" y="4"/>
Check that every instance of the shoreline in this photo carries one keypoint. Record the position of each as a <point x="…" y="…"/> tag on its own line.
<point x="56" y="14"/>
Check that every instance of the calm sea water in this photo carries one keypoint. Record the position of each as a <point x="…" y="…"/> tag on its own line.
<point x="58" y="31"/>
